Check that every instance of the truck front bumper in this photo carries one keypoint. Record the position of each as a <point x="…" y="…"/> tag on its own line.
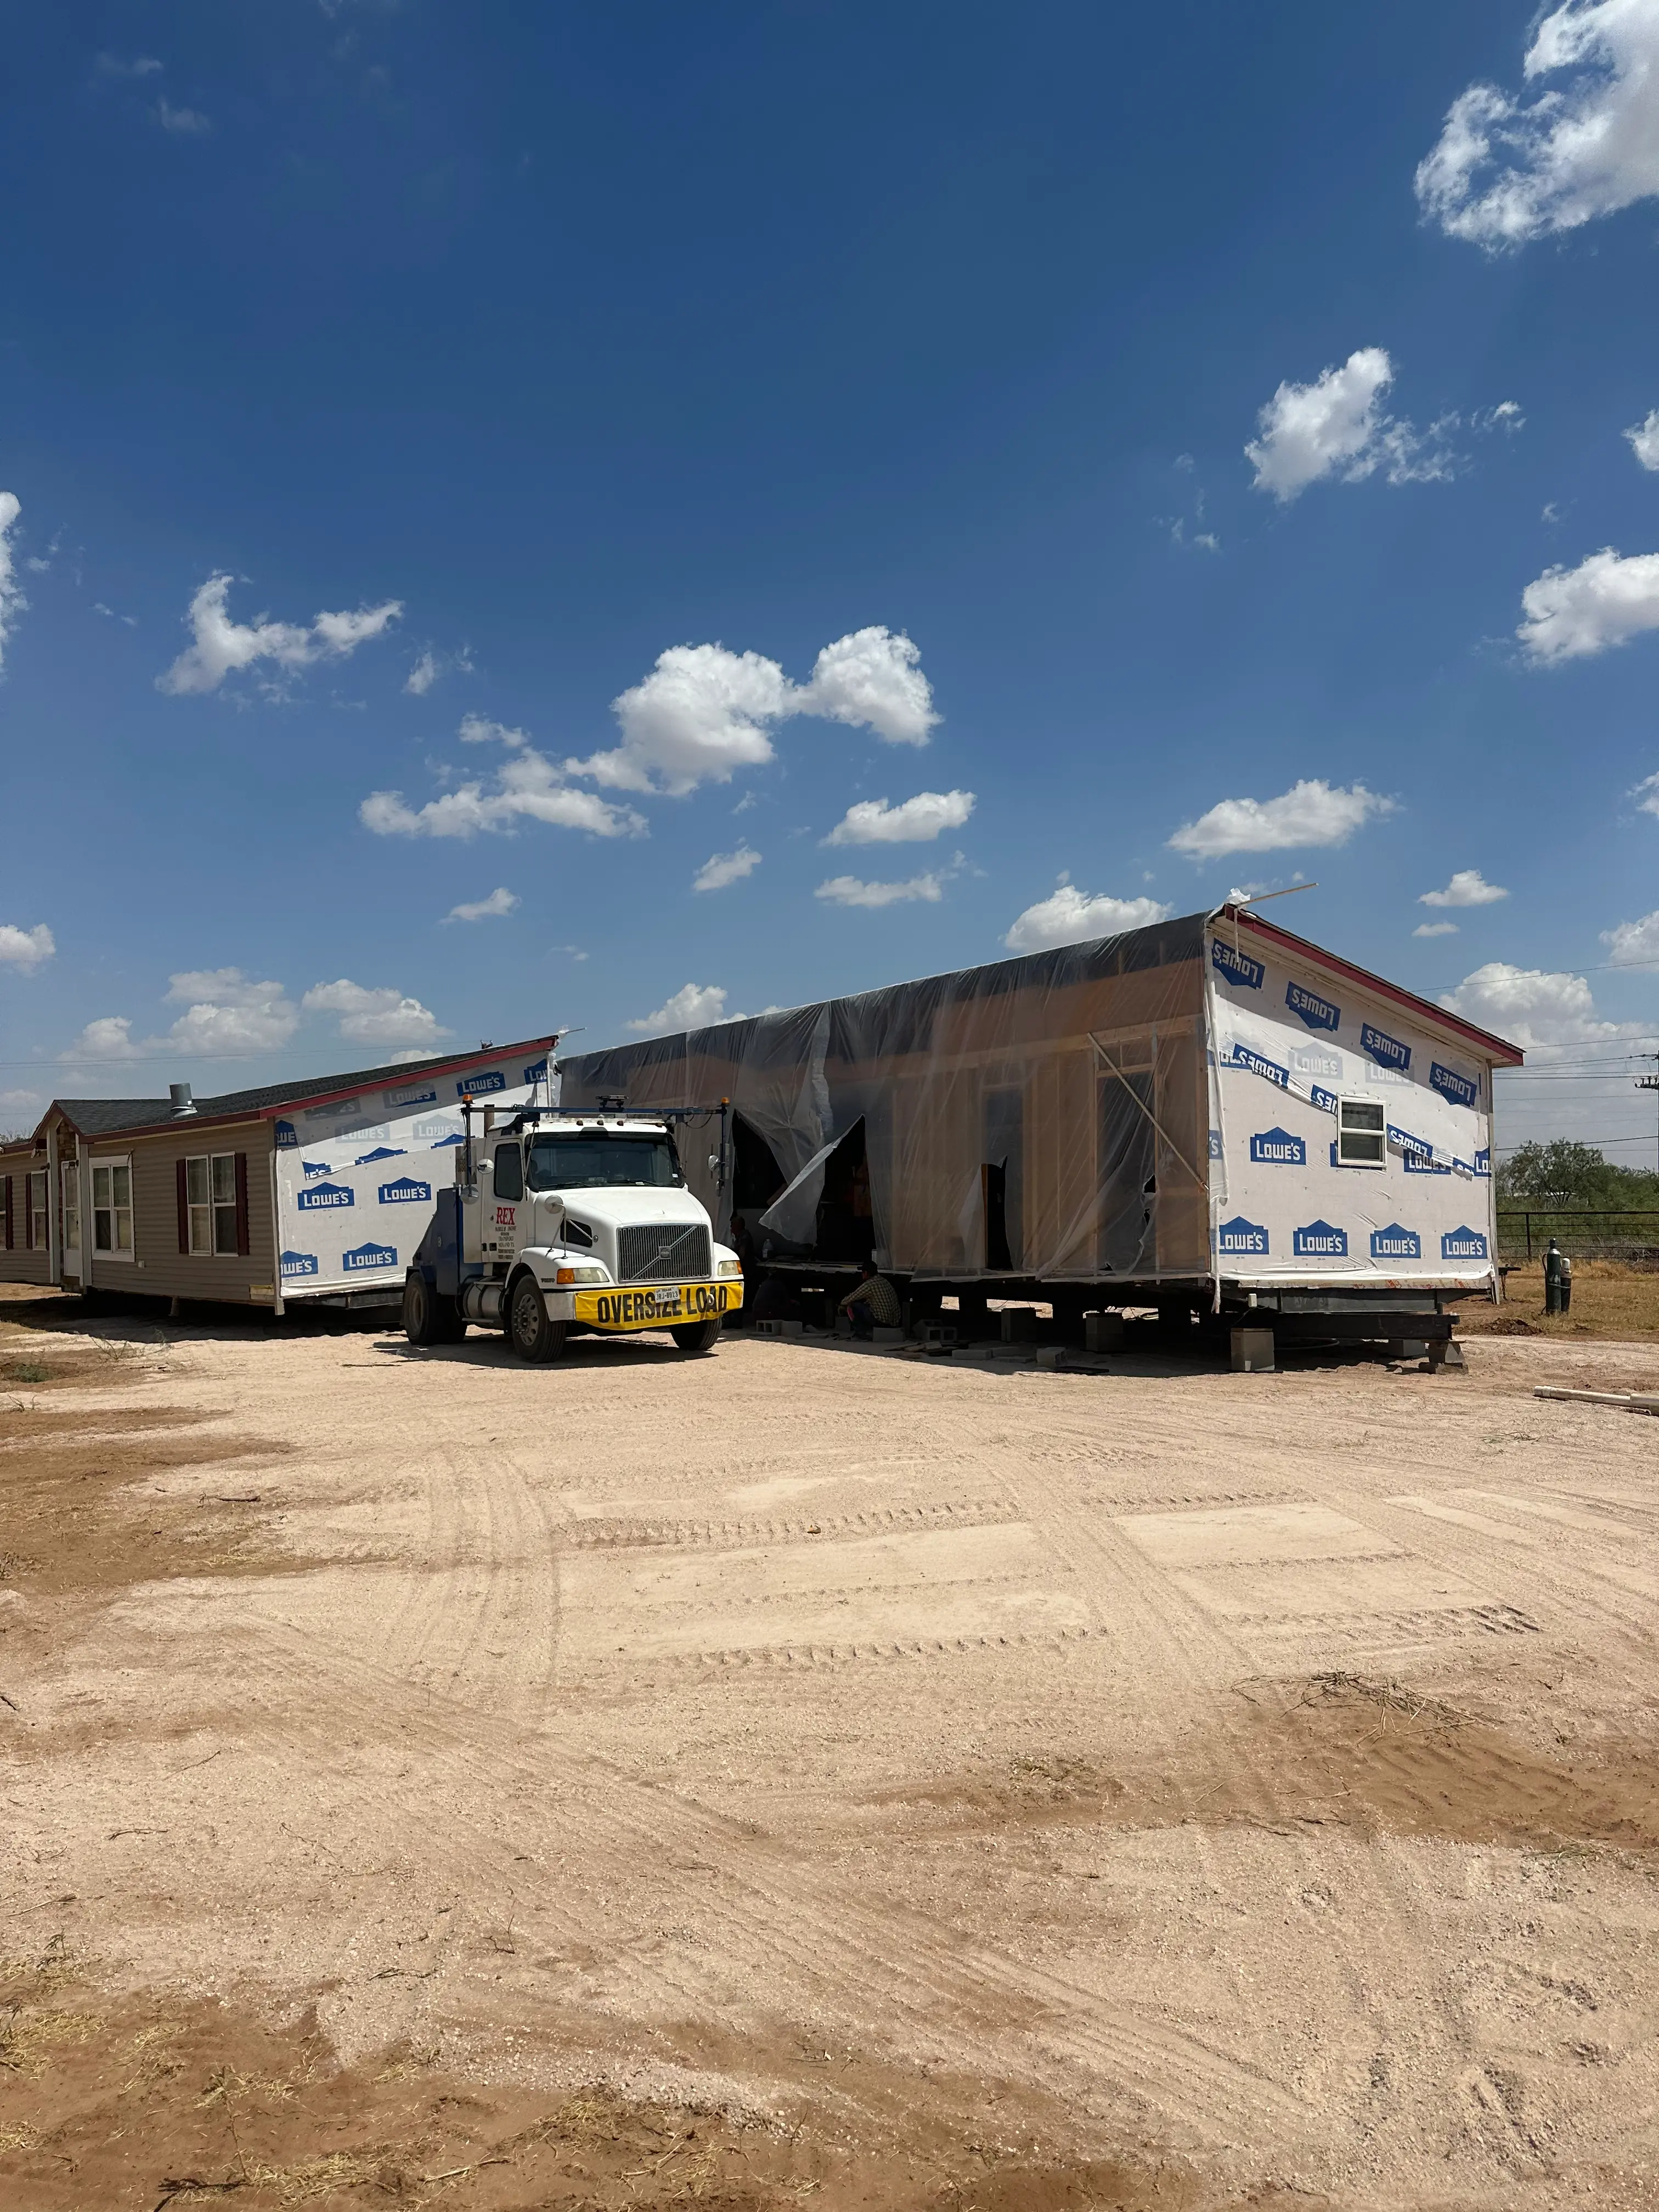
<point x="647" y="1305"/>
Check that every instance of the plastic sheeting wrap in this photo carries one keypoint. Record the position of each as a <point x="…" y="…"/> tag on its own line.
<point x="1045" y="1117"/>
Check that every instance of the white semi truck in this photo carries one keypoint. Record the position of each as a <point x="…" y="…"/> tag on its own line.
<point x="561" y="1223"/>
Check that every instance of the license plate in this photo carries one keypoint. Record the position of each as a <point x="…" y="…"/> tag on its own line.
<point x="657" y="1306"/>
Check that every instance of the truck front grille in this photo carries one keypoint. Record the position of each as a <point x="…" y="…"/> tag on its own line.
<point x="663" y="1252"/>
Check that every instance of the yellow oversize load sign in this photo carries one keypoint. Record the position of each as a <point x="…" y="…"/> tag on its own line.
<point x="658" y="1305"/>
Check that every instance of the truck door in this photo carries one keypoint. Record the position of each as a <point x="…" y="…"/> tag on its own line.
<point x="503" y="1204"/>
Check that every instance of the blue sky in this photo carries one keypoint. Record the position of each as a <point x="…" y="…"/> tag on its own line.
<point x="386" y="388"/>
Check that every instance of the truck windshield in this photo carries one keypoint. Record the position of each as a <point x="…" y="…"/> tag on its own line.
<point x="598" y="1163"/>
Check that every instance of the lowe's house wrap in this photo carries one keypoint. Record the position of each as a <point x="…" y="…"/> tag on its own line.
<point x="1211" y="1106"/>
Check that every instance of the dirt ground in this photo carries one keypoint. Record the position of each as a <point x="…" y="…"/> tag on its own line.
<point x="812" y="1774"/>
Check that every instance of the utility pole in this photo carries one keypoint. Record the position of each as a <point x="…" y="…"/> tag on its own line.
<point x="1648" y="1082"/>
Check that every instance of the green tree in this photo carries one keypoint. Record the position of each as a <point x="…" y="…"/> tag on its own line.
<point x="1563" y="1174"/>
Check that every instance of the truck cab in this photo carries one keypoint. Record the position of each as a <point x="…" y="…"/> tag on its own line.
<point x="561" y="1224"/>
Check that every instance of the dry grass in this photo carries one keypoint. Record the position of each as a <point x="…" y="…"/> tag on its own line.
<point x="1609" y="1302"/>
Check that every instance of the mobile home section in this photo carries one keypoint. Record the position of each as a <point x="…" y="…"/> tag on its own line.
<point x="1350" y="1136"/>
<point x="357" y="1178"/>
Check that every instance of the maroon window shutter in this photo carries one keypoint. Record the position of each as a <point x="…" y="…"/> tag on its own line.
<point x="244" y="1243"/>
<point x="183" y="1187"/>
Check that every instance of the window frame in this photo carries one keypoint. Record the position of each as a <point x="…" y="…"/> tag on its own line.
<point x="68" y="1202"/>
<point x="37" y="1220"/>
<point x="112" y="1164"/>
<point x="214" y="1212"/>
<point x="1365" y="1133"/>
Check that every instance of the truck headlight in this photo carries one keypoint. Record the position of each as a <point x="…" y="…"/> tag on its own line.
<point x="731" y="1266"/>
<point x="581" y="1275"/>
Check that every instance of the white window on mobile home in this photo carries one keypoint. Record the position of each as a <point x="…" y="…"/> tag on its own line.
<point x="1362" y="1137"/>
<point x="111" y="1208"/>
<point x="210" y="1195"/>
<point x="37" y="1206"/>
<point x="69" y="1176"/>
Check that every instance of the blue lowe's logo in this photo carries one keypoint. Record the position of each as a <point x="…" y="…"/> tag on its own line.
<point x="286" y="1137"/>
<point x="1318" y="1013"/>
<point x="343" y="1107"/>
<point x="1462" y="1244"/>
<point x="298" y="1263"/>
<point x="318" y="1197"/>
<point x="536" y="1071"/>
<point x="380" y="1152"/>
<point x="365" y="1257"/>
<point x="1215" y="1143"/>
<point x="1241" y="1235"/>
<point x="469" y="1085"/>
<point x="1258" y="1064"/>
<point x="1415" y="1147"/>
<point x="1483" y="1163"/>
<point x="1309" y="1060"/>
<point x="314" y="1168"/>
<point x="406" y="1191"/>
<point x="1461" y="1089"/>
<point x="454" y="1138"/>
<point x="1279" y="1149"/>
<point x="1325" y="1100"/>
<point x="1424" y="1163"/>
<point x="1387" y="1051"/>
<point x="413" y="1094"/>
<point x="1235" y="967"/>
<point x="1395" y="1243"/>
<point x="1319" y="1241"/>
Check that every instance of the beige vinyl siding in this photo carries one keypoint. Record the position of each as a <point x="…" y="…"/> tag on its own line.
<point x="159" y="1268"/>
<point x="20" y="1264"/>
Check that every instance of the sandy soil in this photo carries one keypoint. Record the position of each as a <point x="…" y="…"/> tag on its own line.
<point x="812" y="1775"/>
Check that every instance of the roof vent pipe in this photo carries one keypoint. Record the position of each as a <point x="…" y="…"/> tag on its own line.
<point x="182" y="1101"/>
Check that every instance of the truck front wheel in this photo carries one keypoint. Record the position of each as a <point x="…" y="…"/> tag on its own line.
<point x="696" y="1335"/>
<point x="532" y="1335"/>
<point x="430" y="1317"/>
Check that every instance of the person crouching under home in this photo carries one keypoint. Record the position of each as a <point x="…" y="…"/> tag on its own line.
<point x="871" y="1304"/>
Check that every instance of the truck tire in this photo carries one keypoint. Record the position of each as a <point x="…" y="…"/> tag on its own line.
<point x="529" y="1331"/>
<point x="696" y="1335"/>
<point x="428" y="1316"/>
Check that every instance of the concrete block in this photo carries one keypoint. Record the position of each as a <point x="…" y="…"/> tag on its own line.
<point x="1103" y="1332"/>
<point x="1019" y="1325"/>
<point x="1051" y="1355"/>
<point x="939" y="1336"/>
<point x="780" y="1328"/>
<point x="1253" y="1352"/>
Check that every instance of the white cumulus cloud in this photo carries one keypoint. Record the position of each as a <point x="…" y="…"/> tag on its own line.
<point x="1311" y="813"/>
<point x="226" y="1011"/>
<point x="1539" y="1010"/>
<point x="1069" y="916"/>
<point x="430" y="666"/>
<point x="499" y="901"/>
<point x="1467" y="887"/>
<point x="110" y="1037"/>
<point x="528" y="786"/>
<point x="912" y="821"/>
<point x="25" y="948"/>
<point x="1634" y="943"/>
<point x="851" y="890"/>
<point x="222" y="646"/>
<point x="703" y="712"/>
<point x="693" y="1006"/>
<point x="382" y="1016"/>
<point x="1646" y="795"/>
<point x="181" y="122"/>
<point x="12" y="601"/>
<point x="1335" y="427"/>
<point x="1506" y="170"/>
<point x="1435" y="929"/>
<point x="724" y="868"/>
<point x="1644" y="439"/>
<point x="1606" y="600"/>
<point x="873" y="680"/>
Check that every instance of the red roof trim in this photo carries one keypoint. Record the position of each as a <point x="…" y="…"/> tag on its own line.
<point x="433" y="1068"/>
<point x="1495" y="1048"/>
